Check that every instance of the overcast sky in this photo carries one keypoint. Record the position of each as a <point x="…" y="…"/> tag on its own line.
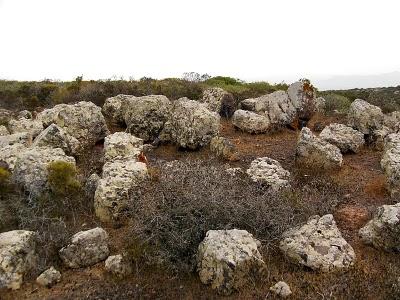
<point x="251" y="40"/>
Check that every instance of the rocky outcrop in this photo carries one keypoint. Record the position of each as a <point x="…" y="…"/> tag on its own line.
<point x="112" y="108"/>
<point x="122" y="145"/>
<point x="219" y="101"/>
<point x="224" y="148"/>
<point x="251" y="122"/>
<point x="32" y="127"/>
<point x="268" y="171"/>
<point x="49" y="277"/>
<point x="23" y="138"/>
<point x="17" y="257"/>
<point x="86" y="248"/>
<point x="281" y="289"/>
<point x="392" y="121"/>
<point x="192" y="125"/>
<point x="318" y="244"/>
<point x="228" y="258"/>
<point x="365" y="117"/>
<point x="345" y="138"/>
<point x="317" y="153"/>
<point x="10" y="154"/>
<point x="383" y="231"/>
<point x="302" y="97"/>
<point x="118" y="265"/>
<point x="55" y="137"/>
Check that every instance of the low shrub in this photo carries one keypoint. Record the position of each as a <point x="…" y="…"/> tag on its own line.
<point x="336" y="102"/>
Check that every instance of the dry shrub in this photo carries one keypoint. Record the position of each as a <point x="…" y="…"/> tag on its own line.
<point x="170" y="217"/>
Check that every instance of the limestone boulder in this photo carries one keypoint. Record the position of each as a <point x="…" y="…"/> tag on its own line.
<point x="32" y="127"/>
<point x="55" y="137"/>
<point x="344" y="137"/>
<point x="302" y="96"/>
<point x="23" y="138"/>
<point x="49" y="277"/>
<point x="10" y="154"/>
<point x="219" y="101"/>
<point x="112" y="108"/>
<point x="251" y="122"/>
<point x="281" y="289"/>
<point x="365" y="117"/>
<point x="118" y="265"/>
<point x="122" y="145"/>
<point x="390" y="164"/>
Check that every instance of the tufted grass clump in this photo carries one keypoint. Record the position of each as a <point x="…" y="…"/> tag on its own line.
<point x="62" y="178"/>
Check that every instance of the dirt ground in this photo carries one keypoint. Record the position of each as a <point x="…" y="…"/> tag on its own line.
<point x="363" y="182"/>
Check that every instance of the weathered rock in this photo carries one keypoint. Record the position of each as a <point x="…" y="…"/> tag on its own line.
<point x="30" y="171"/>
<point x="268" y="171"/>
<point x="86" y="248"/>
<point x="112" y="108"/>
<point x="25" y="114"/>
<point x="365" y="117"/>
<point x="10" y="154"/>
<point x="49" y="277"/>
<point x="227" y="258"/>
<point x="118" y="265"/>
<point x="318" y="245"/>
<point x="302" y="96"/>
<point x="219" y="101"/>
<point x="377" y="138"/>
<point x="249" y="104"/>
<point x="281" y="289"/>
<point x="390" y="164"/>
<point x="55" y="137"/>
<point x="17" y="257"/>
<point x="317" y="153"/>
<point x="122" y="145"/>
<point x="192" y="124"/>
<point x="91" y="185"/>
<point x="251" y="122"/>
<point x="383" y="231"/>
<point x="4" y="130"/>
<point x="234" y="171"/>
<point x="345" y="138"/>
<point x="112" y="194"/>
<point x="224" y="148"/>
<point x="33" y="127"/>
<point x="145" y="116"/>
<point x="83" y="121"/>
<point x="391" y="141"/>
<point x="392" y="121"/>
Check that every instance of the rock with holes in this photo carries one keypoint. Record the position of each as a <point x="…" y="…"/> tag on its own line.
<point x="4" y="130"/>
<point x="145" y="116"/>
<point x="31" y="168"/>
<point x="318" y="244"/>
<point x="224" y="148"/>
<point x="251" y="122"/>
<point x="17" y="257"/>
<point x="32" y="127"/>
<point x="118" y="265"/>
<point x="49" y="277"/>
<point x="281" y="289"/>
<point x="226" y="259"/>
<point x="83" y="121"/>
<point x="23" y="138"/>
<point x="383" y="231"/>
<point x="365" y="117"/>
<point x="344" y="137"/>
<point x="302" y="97"/>
<point x="112" y="108"/>
<point x="55" y="137"/>
<point x="390" y="164"/>
<point x="192" y="124"/>
<point x="119" y="179"/>
<point x="269" y="172"/>
<point x="122" y="145"/>
<point x="314" y="152"/>
<point x="10" y="154"/>
<point x="219" y="101"/>
<point x="86" y="248"/>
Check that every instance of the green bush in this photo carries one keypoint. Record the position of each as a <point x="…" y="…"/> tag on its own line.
<point x="336" y="102"/>
<point x="62" y="178"/>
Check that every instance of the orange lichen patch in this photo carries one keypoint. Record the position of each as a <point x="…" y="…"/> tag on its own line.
<point x="351" y="217"/>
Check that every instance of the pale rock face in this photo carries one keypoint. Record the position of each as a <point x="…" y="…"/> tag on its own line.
<point x="112" y="192"/>
<point x="391" y="141"/>
<point x="219" y="101"/>
<point x="82" y="121"/>
<point x="10" y="154"/>
<point x="118" y="266"/>
<point x="390" y="164"/>
<point x="145" y="116"/>
<point x="365" y="117"/>
<point x="23" y="138"/>
<point x="32" y="127"/>
<point x="26" y="114"/>
<point x="49" y="277"/>
<point x="192" y="124"/>
<point x="30" y="171"/>
<point x="112" y="108"/>
<point x="91" y="185"/>
<point x="17" y="257"/>
<point x="122" y="145"/>
<point x="55" y="137"/>
<point x="315" y="152"/>
<point x="319" y="245"/>
<point x="251" y="122"/>
<point x="86" y="248"/>
<point x="392" y="121"/>
<point x="281" y="289"/>
<point x="268" y="171"/>
<point x="227" y="258"/>
<point x="344" y="137"/>
<point x="302" y="96"/>
<point x="4" y="130"/>
<point x="224" y="148"/>
<point x="383" y="231"/>
<point x="378" y="138"/>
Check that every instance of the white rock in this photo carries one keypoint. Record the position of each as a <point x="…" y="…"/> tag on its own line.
<point x="302" y="96"/>
<point x="344" y="137"/>
<point x="364" y="117"/>
<point x="318" y="245"/>
<point x="219" y="101"/>
<point x="49" y="277"/>
<point x="55" y="137"/>
<point x="25" y="114"/>
<point x="112" y="108"/>
<point x="33" y="127"/>
<point x="118" y="265"/>
<point x="23" y="138"/>
<point x="227" y="258"/>
<point x="390" y="164"/>
<point x="281" y="289"/>
<point x="122" y="145"/>
<point x="86" y="248"/>
<point x="4" y="130"/>
<point x="251" y="122"/>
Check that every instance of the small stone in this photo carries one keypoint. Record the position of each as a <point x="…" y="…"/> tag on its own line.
<point x="118" y="265"/>
<point x="281" y="289"/>
<point x="49" y="277"/>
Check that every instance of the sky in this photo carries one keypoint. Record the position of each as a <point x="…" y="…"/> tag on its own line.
<point x="253" y="40"/>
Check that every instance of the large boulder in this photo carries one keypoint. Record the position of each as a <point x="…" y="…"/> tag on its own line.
<point x="344" y="137"/>
<point x="23" y="138"/>
<point x="383" y="231"/>
<point x="82" y="121"/>
<point x="251" y="122"/>
<point x="86" y="248"/>
<point x="390" y="164"/>
<point x="219" y="101"/>
<point x="224" y="148"/>
<point x="10" y="154"/>
<point x="228" y="258"/>
<point x="17" y="257"/>
<point x="31" y="168"/>
<point x="268" y="171"/>
<point x="318" y="245"/>
<point x="122" y="145"/>
<point x="33" y="127"/>
<point x="55" y="137"/>
<point x="302" y="96"/>
<point x="145" y="116"/>
<point x="365" y="117"/>
<point x="112" y="108"/>
<point x="316" y="153"/>
<point x="192" y="124"/>
<point x="392" y="121"/>
<point x="391" y="141"/>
